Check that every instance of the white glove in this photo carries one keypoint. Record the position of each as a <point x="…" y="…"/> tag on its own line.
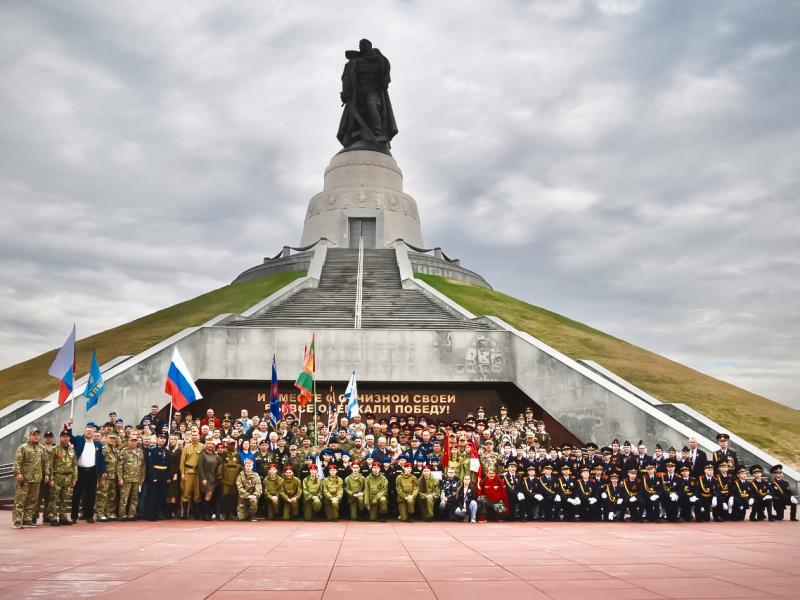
<point x="538" y="497"/>
<point x="730" y="503"/>
<point x="604" y="495"/>
<point x="520" y="496"/>
<point x="577" y="502"/>
<point x="693" y="499"/>
<point x="557" y="498"/>
<point x="793" y="500"/>
<point x="767" y="497"/>
<point x="751" y="502"/>
<point x="714" y="502"/>
<point x="619" y="502"/>
<point x="634" y="498"/>
<point x="592" y="500"/>
<point x="611" y="516"/>
<point x="654" y="497"/>
<point x="673" y="496"/>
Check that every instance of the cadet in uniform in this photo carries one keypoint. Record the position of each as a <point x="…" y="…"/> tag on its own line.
<point x="190" y="482"/>
<point x="332" y="491"/>
<point x="568" y="495"/>
<point x="354" y="485"/>
<point x="741" y="497"/>
<point x="64" y="469"/>
<point x="290" y="492"/>
<point x="157" y="475"/>
<point x="650" y="494"/>
<point x="312" y="494"/>
<point x="376" y="489"/>
<point x="248" y="485"/>
<point x="271" y="488"/>
<point x="724" y="480"/>
<point x="107" y="489"/>
<point x="761" y="494"/>
<point x="511" y="481"/>
<point x="229" y="468"/>
<point x="612" y="498"/>
<point x="30" y="469"/>
<point x="407" y="488"/>
<point x="428" y="495"/>
<point x="707" y="493"/>
<point x="130" y="473"/>
<point x="528" y="487"/>
<point x="546" y="493"/>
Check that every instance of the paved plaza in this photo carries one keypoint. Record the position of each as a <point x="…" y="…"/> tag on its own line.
<point x="307" y="561"/>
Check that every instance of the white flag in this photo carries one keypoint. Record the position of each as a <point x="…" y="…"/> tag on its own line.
<point x="351" y="395"/>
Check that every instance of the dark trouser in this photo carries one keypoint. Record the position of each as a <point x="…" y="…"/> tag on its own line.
<point x="702" y="509"/>
<point x="779" y="506"/>
<point x="633" y="508"/>
<point x="651" y="508"/>
<point x="589" y="511"/>
<point x="761" y="505"/>
<point x="527" y="509"/>
<point x="739" y="508"/>
<point x="613" y="509"/>
<point x="721" y="511"/>
<point x="546" y="509"/>
<point x="155" y="500"/>
<point x="671" y="507"/>
<point x="512" y="506"/>
<point x="84" y="493"/>
<point x="685" y="507"/>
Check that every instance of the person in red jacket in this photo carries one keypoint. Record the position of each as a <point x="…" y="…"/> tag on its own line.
<point x="211" y="420"/>
<point x="494" y="494"/>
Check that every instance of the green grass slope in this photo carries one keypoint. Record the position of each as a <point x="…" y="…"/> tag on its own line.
<point x="29" y="379"/>
<point x="767" y="424"/>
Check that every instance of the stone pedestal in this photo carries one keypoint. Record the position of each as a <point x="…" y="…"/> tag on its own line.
<point x="362" y="184"/>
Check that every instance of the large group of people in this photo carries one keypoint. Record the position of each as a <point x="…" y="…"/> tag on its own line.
<point x="404" y="467"/>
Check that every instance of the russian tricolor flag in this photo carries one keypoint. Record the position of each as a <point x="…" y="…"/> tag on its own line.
<point x="180" y="384"/>
<point x="63" y="368"/>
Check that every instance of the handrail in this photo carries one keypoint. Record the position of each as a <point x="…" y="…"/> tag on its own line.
<point x="298" y="249"/>
<point x="359" y="283"/>
<point x="426" y="250"/>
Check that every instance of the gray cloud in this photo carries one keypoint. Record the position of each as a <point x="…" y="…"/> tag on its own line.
<point x="629" y="164"/>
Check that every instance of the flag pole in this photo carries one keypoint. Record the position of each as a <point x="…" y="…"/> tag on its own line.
<point x="314" y="381"/>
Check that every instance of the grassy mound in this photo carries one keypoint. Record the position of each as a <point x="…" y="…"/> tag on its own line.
<point x="29" y="379"/>
<point x="767" y="424"/>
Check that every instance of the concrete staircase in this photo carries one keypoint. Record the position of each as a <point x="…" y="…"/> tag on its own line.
<point x="385" y="304"/>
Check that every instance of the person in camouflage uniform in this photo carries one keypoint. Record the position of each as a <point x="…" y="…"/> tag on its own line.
<point x="332" y="492"/>
<point x="229" y="468"/>
<point x="130" y="474"/>
<point x="428" y="496"/>
<point x="107" y="489"/>
<point x="354" y="485"/>
<point x="44" y="493"/>
<point x="312" y="494"/>
<point x="290" y="492"/>
<point x="248" y="485"/>
<point x="489" y="458"/>
<point x="376" y="489"/>
<point x="64" y="471"/>
<point x="271" y="486"/>
<point x="407" y="489"/>
<point x="30" y="469"/>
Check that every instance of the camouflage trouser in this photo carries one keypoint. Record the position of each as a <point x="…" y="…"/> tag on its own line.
<point x="311" y="507"/>
<point x="60" y="502"/>
<point x="406" y="508"/>
<point x="26" y="499"/>
<point x="332" y="509"/>
<point x="246" y="508"/>
<point x="356" y="507"/>
<point x="107" y="494"/>
<point x="427" y="506"/>
<point x="44" y="501"/>
<point x="128" y="498"/>
<point x="377" y="507"/>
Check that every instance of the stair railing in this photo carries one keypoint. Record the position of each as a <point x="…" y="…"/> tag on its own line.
<point x="359" y="282"/>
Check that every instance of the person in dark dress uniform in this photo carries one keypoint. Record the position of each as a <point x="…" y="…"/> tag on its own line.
<point x="686" y="495"/>
<point x="724" y="480"/>
<point x="529" y="488"/>
<point x="761" y="494"/>
<point x="156" y="461"/>
<point x="650" y="494"/>
<point x="741" y="495"/>
<point x="612" y="498"/>
<point x="670" y="499"/>
<point x="630" y="494"/>
<point x="707" y="492"/>
<point x="511" y="480"/>
<point x="569" y="500"/>
<point x="724" y="453"/>
<point x="589" y="508"/>
<point x="782" y="495"/>
<point x="546" y="493"/>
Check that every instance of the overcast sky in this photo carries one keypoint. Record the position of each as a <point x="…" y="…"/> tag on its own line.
<point x="632" y="165"/>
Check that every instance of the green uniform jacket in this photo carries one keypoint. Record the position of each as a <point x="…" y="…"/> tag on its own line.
<point x="429" y="486"/>
<point x="290" y="488"/>
<point x="64" y="464"/>
<point x="271" y="485"/>
<point x="131" y="465"/>
<point x="354" y="484"/>
<point x="332" y="487"/>
<point x="375" y="487"/>
<point x="248" y="485"/>
<point x="229" y="468"/>
<point x="312" y="486"/>
<point x="31" y="462"/>
<point x="111" y="457"/>
<point x="407" y="485"/>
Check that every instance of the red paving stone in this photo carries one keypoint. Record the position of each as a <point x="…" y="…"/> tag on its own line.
<point x="312" y="561"/>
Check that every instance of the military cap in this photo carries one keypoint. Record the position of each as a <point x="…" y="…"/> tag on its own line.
<point x="355" y="463"/>
<point x="118" y="421"/>
<point x="219" y="446"/>
<point x="34" y="429"/>
<point x="566" y="447"/>
<point x="547" y="466"/>
<point x="48" y="434"/>
<point x="481" y="422"/>
<point x="503" y="407"/>
<point x="615" y="441"/>
<point x="511" y="462"/>
<point x="312" y="467"/>
<point x="658" y="447"/>
<point x="607" y="450"/>
<point x="591" y="446"/>
<point x="292" y="446"/>
<point x="741" y="469"/>
<point x="641" y="443"/>
<point x="377" y="463"/>
<point x="650" y="466"/>
<point x="776" y="468"/>
<point x="671" y="449"/>
<point x="722" y="436"/>
<point x="632" y="469"/>
<point x="528" y="409"/>
<point x="709" y="465"/>
<point x="288" y="468"/>
<point x="613" y="473"/>
<point x="272" y="466"/>
<point x="161" y="434"/>
<point x="403" y="457"/>
<point x="531" y="467"/>
<point x="626" y="444"/>
<point x="480" y="408"/>
<point x="684" y="468"/>
<point x="685" y="449"/>
<point x="66" y="434"/>
<point x="426" y="467"/>
<point x="566" y="468"/>
<point x="584" y="468"/>
<point x="755" y="469"/>
<point x="670" y="463"/>
<point x="333" y="467"/>
<point x="92" y="424"/>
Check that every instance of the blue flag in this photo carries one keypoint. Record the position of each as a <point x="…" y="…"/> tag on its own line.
<point x="94" y="386"/>
<point x="274" y="396"/>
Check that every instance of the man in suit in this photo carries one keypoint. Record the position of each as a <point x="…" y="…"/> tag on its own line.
<point x="91" y="465"/>
<point x="697" y="457"/>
